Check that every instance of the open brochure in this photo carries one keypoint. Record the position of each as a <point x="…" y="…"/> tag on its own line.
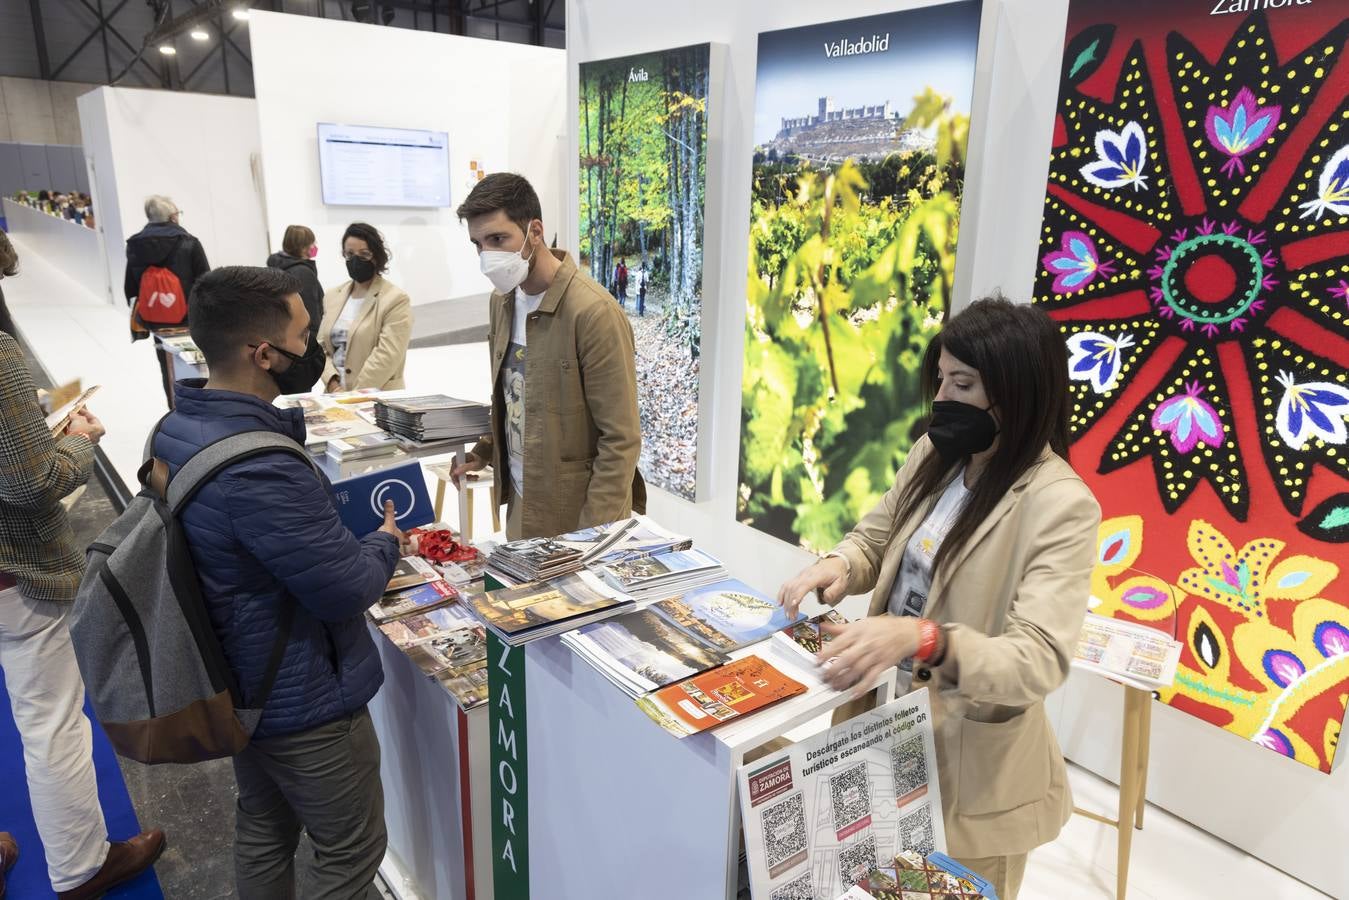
<point x="827" y="811"/>
<point x="631" y="538"/>
<point x="718" y="695"/>
<point x="1137" y="655"/>
<point x="806" y="638"/>
<point x="60" y="419"/>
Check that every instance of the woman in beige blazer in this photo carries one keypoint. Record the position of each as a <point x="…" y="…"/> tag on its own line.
<point x="979" y="559"/>
<point x="367" y="321"/>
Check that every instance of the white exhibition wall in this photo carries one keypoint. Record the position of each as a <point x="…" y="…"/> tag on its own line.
<point x="199" y="149"/>
<point x="501" y="103"/>
<point x="1284" y="813"/>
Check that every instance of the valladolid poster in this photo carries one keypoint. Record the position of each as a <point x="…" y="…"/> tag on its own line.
<point x="643" y="165"/>
<point x="1195" y="251"/>
<point x="860" y="130"/>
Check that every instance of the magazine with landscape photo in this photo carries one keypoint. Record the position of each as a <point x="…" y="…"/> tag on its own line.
<point x="728" y="614"/>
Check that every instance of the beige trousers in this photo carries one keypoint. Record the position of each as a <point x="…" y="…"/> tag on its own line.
<point x="1003" y="872"/>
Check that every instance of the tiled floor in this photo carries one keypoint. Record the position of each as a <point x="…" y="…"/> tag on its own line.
<point x="77" y="336"/>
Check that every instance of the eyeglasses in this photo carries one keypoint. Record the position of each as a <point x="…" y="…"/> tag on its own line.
<point x="363" y="254"/>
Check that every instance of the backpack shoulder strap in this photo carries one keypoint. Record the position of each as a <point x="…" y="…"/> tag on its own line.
<point x="149" y="452"/>
<point x="207" y="462"/>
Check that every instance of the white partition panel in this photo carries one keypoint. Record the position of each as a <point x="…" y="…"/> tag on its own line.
<point x="199" y="149"/>
<point x="502" y="105"/>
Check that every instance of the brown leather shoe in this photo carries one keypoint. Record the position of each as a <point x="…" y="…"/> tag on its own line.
<point x="9" y="855"/>
<point x="126" y="860"/>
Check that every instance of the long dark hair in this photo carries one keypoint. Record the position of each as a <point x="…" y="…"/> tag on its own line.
<point x="1023" y="362"/>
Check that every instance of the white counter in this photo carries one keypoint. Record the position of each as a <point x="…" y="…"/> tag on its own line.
<point x="72" y="249"/>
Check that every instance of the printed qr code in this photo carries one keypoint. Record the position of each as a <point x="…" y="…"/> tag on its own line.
<point x="909" y="763"/>
<point x="784" y="831"/>
<point x="850" y="795"/>
<point x="915" y="831"/>
<point x="798" y="888"/>
<point x="857" y="859"/>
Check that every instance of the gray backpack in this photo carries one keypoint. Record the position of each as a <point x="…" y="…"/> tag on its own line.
<point x="153" y="666"/>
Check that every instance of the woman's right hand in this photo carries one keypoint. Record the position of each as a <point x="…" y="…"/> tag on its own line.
<point x="829" y="574"/>
<point x="87" y="425"/>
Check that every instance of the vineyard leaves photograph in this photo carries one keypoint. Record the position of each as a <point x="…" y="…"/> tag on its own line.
<point x="858" y="173"/>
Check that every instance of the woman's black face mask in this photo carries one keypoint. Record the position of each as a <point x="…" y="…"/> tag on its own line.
<point x="958" y="430"/>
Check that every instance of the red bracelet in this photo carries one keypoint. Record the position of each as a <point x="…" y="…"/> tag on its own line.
<point x="928" y="635"/>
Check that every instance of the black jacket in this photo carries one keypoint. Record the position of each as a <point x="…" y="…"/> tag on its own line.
<point x="301" y="376"/>
<point x="168" y="245"/>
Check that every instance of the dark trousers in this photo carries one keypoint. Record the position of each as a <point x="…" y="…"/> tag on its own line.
<point x="166" y="372"/>
<point x="326" y="781"/>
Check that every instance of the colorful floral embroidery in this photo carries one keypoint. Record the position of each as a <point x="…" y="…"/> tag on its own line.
<point x="1214" y="184"/>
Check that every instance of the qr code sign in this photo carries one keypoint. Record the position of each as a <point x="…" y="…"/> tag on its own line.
<point x="798" y="888"/>
<point x="784" y="833"/>
<point x="857" y="859"/>
<point x="850" y="796"/>
<point x="909" y="764"/>
<point x="915" y="831"/>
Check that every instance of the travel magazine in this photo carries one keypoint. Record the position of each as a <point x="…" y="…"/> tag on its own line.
<point x="640" y="651"/>
<point x="541" y="609"/>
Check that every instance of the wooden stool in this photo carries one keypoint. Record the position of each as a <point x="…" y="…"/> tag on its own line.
<point x="478" y="480"/>
<point x="1133" y="780"/>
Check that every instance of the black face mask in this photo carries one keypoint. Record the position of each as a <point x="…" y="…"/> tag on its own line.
<point x="959" y="429"/>
<point x="293" y="357"/>
<point x="360" y="270"/>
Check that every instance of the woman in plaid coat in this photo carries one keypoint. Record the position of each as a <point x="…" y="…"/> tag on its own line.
<point x="40" y="569"/>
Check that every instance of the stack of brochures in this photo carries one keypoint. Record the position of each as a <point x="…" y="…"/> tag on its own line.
<point x="415" y="587"/>
<point x="630" y="538"/>
<point x="540" y="609"/>
<point x="534" y="559"/>
<point x="678" y="637"/>
<point x="663" y="575"/>
<point x="447" y="644"/>
<point x="433" y="417"/>
<point x="361" y="453"/>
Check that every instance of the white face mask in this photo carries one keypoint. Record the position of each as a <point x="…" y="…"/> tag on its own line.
<point x="505" y="268"/>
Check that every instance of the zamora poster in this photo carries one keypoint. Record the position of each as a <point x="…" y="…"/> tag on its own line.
<point x="860" y="130"/>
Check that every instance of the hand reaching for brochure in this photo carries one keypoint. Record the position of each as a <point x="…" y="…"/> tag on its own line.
<point x="829" y="576"/>
<point x="472" y="464"/>
<point x="862" y="650"/>
<point x="390" y="526"/>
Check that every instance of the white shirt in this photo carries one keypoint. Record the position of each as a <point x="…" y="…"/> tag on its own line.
<point x="341" y="334"/>
<point x="914" y="581"/>
<point x="513" y="386"/>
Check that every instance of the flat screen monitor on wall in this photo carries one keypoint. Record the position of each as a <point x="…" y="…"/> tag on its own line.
<point x="366" y="166"/>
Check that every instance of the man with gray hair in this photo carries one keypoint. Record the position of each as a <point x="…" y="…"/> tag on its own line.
<point x="163" y="261"/>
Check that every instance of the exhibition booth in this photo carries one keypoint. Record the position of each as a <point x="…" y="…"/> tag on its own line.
<point x="1165" y="178"/>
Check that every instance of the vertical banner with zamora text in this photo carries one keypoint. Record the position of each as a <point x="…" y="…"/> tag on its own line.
<point x="510" y="770"/>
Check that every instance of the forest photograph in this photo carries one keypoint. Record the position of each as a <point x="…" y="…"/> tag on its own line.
<point x="860" y="130"/>
<point x="643" y="164"/>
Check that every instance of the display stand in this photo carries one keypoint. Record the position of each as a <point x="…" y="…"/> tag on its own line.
<point x="617" y="807"/>
<point x="1133" y="780"/>
<point x="434" y="766"/>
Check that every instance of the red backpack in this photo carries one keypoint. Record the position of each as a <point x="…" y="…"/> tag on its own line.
<point x="161" y="299"/>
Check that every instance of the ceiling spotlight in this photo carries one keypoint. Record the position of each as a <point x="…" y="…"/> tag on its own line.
<point x="167" y="49"/>
<point x="241" y="13"/>
<point x="199" y="35"/>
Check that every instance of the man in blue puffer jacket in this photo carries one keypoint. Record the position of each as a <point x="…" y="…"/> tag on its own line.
<point x="264" y="533"/>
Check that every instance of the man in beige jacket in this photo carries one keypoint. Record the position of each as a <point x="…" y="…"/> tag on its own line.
<point x="565" y="432"/>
